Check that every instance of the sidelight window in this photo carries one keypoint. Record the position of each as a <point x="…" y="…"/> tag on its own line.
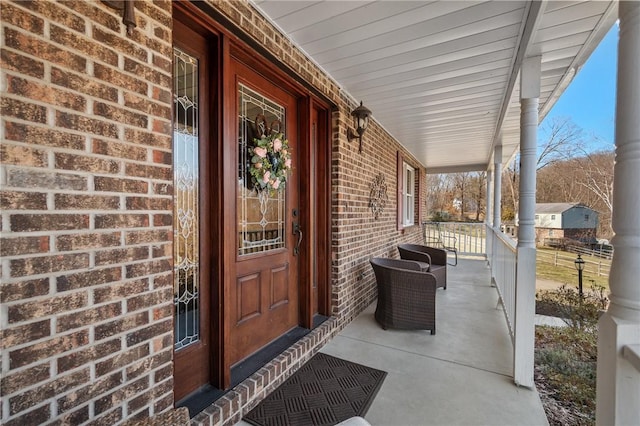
<point x="186" y="200"/>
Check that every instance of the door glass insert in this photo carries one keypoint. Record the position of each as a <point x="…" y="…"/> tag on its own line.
<point x="186" y="202"/>
<point x="261" y="214"/>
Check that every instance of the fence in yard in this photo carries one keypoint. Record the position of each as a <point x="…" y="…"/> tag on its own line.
<point x="592" y="265"/>
<point x="604" y="251"/>
<point x="601" y="251"/>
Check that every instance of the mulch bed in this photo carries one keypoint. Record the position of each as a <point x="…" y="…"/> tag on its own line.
<point x="548" y="309"/>
<point x="560" y="412"/>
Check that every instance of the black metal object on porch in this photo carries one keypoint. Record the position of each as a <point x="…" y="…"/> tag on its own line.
<point x="579" y="262"/>
<point x="128" y="12"/>
<point x="439" y="240"/>
<point x="360" y="121"/>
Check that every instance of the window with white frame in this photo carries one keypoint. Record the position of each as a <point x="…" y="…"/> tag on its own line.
<point x="408" y="194"/>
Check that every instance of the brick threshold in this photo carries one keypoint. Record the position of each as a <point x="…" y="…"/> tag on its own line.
<point x="230" y="406"/>
<point x="204" y="397"/>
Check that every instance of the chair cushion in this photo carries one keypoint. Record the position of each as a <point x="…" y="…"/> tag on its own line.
<point x="440" y="272"/>
<point x="424" y="266"/>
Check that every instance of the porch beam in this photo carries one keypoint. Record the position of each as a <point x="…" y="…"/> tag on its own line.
<point x="534" y="15"/>
<point x="618" y="381"/>
<point x="524" y="335"/>
<point x="456" y="169"/>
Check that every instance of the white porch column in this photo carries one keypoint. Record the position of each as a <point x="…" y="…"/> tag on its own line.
<point x="497" y="186"/>
<point x="497" y="192"/>
<point x="618" y="386"/>
<point x="523" y="350"/>
<point x="487" y="216"/>
<point x="489" y="209"/>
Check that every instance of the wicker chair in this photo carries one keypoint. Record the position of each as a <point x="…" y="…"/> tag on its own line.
<point x="432" y="259"/>
<point x="406" y="295"/>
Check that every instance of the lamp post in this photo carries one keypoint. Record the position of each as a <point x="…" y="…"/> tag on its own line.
<point x="579" y="262"/>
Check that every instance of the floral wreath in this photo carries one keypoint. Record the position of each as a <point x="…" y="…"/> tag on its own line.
<point x="270" y="158"/>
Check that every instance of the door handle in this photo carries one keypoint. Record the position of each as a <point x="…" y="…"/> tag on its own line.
<point x="297" y="230"/>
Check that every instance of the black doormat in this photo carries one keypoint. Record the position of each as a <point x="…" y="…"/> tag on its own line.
<point x="324" y="391"/>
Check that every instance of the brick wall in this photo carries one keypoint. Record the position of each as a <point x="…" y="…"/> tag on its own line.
<point x="86" y="213"/>
<point x="585" y="235"/>
<point x="357" y="235"/>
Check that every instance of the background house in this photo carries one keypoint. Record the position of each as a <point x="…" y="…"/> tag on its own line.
<point x="572" y="221"/>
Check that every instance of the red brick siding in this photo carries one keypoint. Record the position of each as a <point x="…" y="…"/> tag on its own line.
<point x="86" y="204"/>
<point x="585" y="234"/>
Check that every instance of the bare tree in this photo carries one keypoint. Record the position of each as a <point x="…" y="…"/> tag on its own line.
<point x="566" y="172"/>
<point x="597" y="178"/>
<point x="587" y="179"/>
<point x="563" y="140"/>
<point x="459" y="193"/>
<point x="510" y="184"/>
<point x="480" y="183"/>
<point x="460" y="183"/>
<point x="438" y="193"/>
<point x="558" y="183"/>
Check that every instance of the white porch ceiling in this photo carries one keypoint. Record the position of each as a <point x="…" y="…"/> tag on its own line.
<point x="442" y="76"/>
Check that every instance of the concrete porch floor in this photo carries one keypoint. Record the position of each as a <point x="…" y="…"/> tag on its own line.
<point x="459" y="376"/>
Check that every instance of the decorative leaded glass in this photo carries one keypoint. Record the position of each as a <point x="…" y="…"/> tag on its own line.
<point x="186" y="204"/>
<point x="261" y="214"/>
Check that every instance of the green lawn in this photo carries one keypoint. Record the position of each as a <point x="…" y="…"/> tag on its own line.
<point x="565" y="272"/>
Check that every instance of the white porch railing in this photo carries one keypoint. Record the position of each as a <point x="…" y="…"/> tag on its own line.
<point x="476" y="238"/>
<point x="503" y="261"/>
<point x="511" y="267"/>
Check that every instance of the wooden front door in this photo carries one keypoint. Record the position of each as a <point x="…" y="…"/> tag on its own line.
<point x="261" y="227"/>
<point x="244" y="274"/>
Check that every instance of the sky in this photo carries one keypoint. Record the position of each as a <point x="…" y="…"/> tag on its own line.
<point x="589" y="101"/>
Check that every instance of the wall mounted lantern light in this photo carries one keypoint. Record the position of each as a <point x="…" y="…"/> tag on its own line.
<point x="128" y="12"/>
<point x="360" y="122"/>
